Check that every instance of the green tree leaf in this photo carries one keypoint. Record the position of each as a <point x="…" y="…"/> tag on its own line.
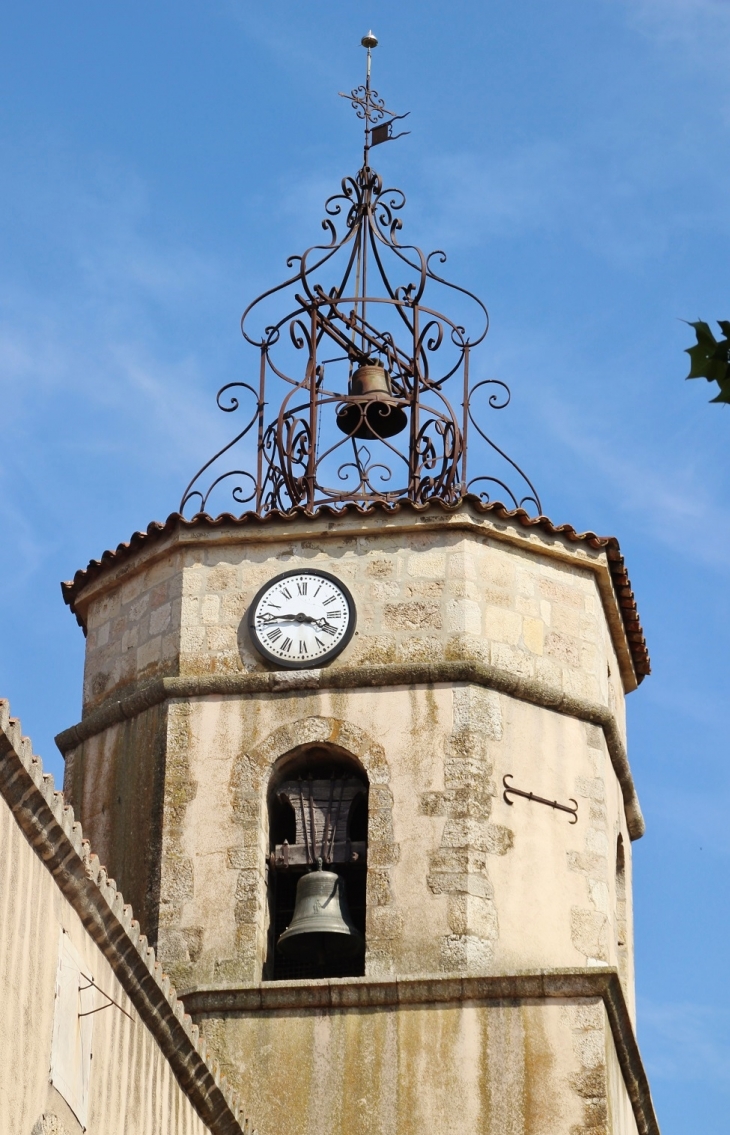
<point x="710" y="357"/>
<point x="724" y="395"/>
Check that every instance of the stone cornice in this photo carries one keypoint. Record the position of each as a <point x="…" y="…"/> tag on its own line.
<point x="49" y="825"/>
<point x="351" y="994"/>
<point x="599" y="554"/>
<point x="117" y="709"/>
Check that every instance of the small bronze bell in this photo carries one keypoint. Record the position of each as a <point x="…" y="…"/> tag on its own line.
<point x="376" y="414"/>
<point x="321" y="930"/>
<point x="371" y="379"/>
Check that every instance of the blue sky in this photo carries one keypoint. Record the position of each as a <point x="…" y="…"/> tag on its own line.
<point x="159" y="162"/>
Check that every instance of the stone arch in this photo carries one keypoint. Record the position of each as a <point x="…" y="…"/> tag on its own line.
<point x="249" y="784"/>
<point x="336" y="780"/>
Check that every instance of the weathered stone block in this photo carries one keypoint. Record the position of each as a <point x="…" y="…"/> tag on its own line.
<point x="160" y="619"/>
<point x="385" y="923"/>
<point x="427" y="565"/>
<point x="533" y="634"/>
<point x="413" y="615"/>
<point x="503" y="625"/>
<point x="563" y="648"/>
<point x="589" y="933"/>
<point x="380" y="568"/>
<point x="464" y="616"/>
<point x="149" y="653"/>
<point x="379" y="888"/>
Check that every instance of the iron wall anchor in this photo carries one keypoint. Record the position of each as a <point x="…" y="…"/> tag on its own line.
<point x="539" y="799"/>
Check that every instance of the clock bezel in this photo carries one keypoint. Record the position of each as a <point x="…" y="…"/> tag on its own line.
<point x="311" y="663"/>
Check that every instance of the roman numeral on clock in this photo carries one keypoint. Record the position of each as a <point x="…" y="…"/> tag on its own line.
<point x="273" y="635"/>
<point x="302" y="587"/>
<point x="286" y="645"/>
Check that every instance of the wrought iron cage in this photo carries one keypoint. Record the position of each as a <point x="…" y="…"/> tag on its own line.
<point x="369" y="383"/>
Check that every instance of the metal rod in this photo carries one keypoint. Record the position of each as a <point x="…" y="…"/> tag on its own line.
<point x="311" y="816"/>
<point x="310" y="857"/>
<point x="92" y="985"/>
<point x="465" y="421"/>
<point x="538" y="799"/>
<point x="328" y="818"/>
<point x="333" y="836"/>
<point x="364" y="242"/>
<point x="413" y="454"/>
<point x="312" y="461"/>
<point x="260" y="440"/>
<point x="367" y="109"/>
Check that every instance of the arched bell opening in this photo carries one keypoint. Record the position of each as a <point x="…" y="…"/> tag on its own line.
<point x="318" y="820"/>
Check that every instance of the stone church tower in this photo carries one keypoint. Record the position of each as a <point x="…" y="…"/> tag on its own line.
<point x="374" y="666"/>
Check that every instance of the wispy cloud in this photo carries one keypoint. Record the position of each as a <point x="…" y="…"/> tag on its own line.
<point x="689" y="23"/>
<point x="688" y="1042"/>
<point x="89" y="358"/>
<point x="526" y="188"/>
<point x="656" y="484"/>
<point x="700" y="816"/>
<point x="620" y="194"/>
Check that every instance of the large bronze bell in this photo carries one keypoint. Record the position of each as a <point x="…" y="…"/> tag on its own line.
<point x="321" y="929"/>
<point x="376" y="413"/>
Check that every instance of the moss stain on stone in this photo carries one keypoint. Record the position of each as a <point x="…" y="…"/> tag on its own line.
<point x="543" y="1106"/>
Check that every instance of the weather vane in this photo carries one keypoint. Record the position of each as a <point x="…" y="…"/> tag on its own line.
<point x="368" y="106"/>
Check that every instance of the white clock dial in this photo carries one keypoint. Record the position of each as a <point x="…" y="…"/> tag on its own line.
<point x="302" y="619"/>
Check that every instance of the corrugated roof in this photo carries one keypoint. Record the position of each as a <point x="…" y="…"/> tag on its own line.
<point x="156" y="531"/>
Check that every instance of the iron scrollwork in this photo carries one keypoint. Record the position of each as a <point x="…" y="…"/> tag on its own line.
<point x="364" y="370"/>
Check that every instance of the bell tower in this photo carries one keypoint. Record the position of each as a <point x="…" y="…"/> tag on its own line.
<point x="353" y="739"/>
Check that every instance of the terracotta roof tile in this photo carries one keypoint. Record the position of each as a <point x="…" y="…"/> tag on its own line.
<point x="156" y="530"/>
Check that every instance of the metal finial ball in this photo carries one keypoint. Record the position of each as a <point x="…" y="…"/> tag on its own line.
<point x="369" y="41"/>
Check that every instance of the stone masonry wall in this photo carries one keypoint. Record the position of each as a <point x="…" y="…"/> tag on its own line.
<point x="464" y="881"/>
<point x="462" y="878"/>
<point x="459" y="880"/>
<point x="116" y="782"/>
<point x="422" y="594"/>
<point x="519" y="1066"/>
<point x="134" y="629"/>
<point x="459" y="868"/>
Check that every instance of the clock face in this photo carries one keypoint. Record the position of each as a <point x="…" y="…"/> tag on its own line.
<point x="302" y="619"/>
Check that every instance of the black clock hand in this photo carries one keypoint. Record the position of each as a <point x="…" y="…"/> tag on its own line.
<point x="321" y="623"/>
<point x="298" y="618"/>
